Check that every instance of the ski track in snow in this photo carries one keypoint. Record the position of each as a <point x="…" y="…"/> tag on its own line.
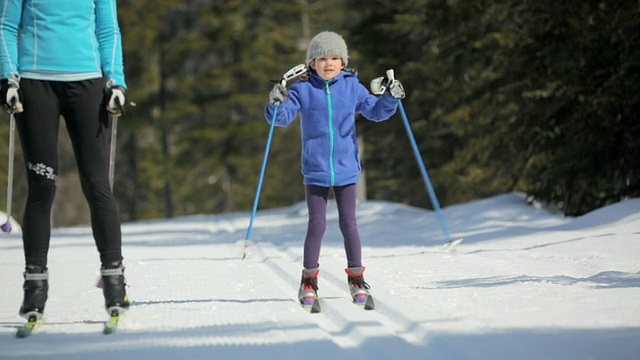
<point x="524" y="284"/>
<point x="344" y="322"/>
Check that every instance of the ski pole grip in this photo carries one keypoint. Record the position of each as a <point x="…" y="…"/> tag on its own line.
<point x="390" y="75"/>
<point x="16" y="106"/>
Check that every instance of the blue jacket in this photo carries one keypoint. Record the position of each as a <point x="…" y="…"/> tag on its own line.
<point x="60" y="40"/>
<point x="327" y="120"/>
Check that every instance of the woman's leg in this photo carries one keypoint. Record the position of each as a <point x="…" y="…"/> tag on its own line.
<point x="81" y="109"/>
<point x="38" y="126"/>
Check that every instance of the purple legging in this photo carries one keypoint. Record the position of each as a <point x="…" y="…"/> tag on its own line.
<point x="317" y="205"/>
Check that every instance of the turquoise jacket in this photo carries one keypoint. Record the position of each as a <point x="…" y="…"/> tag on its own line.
<point x="61" y="40"/>
<point x="327" y="120"/>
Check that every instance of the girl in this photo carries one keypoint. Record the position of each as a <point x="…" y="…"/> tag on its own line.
<point x="328" y="101"/>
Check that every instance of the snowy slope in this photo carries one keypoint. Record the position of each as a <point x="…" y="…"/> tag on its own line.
<point x="524" y="284"/>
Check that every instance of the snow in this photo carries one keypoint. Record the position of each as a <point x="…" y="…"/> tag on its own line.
<point x="524" y="284"/>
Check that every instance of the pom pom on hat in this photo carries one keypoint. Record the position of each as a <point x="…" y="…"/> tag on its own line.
<point x="327" y="43"/>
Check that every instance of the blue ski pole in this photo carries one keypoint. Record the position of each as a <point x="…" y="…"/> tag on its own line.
<point x="291" y="74"/>
<point x="423" y="170"/>
<point x="260" y="180"/>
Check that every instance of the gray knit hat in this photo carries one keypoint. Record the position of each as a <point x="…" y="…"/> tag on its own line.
<point x="327" y="43"/>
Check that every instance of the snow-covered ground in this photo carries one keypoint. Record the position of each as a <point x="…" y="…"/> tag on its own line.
<point x="524" y="284"/>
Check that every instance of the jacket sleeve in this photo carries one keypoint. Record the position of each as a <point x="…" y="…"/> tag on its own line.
<point x="10" y="14"/>
<point x="375" y="108"/>
<point x="109" y="41"/>
<point x="287" y="110"/>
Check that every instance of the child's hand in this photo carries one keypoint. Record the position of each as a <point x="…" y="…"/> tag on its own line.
<point x="379" y="85"/>
<point x="395" y="86"/>
<point x="278" y="94"/>
<point x="396" y="89"/>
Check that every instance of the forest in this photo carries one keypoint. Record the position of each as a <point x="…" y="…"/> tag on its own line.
<point x="535" y="96"/>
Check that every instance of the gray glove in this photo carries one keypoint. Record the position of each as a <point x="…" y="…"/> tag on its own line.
<point x="278" y="94"/>
<point x="396" y="90"/>
<point x="381" y="84"/>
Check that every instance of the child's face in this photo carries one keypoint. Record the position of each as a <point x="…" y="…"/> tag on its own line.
<point x="327" y="66"/>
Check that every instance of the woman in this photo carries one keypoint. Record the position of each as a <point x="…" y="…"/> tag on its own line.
<point x="67" y="62"/>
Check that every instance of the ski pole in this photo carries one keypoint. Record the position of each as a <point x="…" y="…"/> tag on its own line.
<point x="260" y="180"/>
<point x="6" y="227"/>
<point x="291" y="74"/>
<point x="114" y="136"/>
<point x="423" y="170"/>
<point x="17" y="107"/>
<point x="112" y="149"/>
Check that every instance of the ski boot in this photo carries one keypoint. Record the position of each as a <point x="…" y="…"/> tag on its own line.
<point x="358" y="288"/>
<point x="113" y="285"/>
<point x="36" y="288"/>
<point x="308" y="293"/>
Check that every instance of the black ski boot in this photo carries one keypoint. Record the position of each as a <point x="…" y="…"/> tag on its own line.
<point x="36" y="288"/>
<point x="113" y="287"/>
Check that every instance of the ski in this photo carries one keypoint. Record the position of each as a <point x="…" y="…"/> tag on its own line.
<point x="111" y="325"/>
<point x="34" y="322"/>
<point x="29" y="327"/>
<point x="364" y="301"/>
<point x="311" y="304"/>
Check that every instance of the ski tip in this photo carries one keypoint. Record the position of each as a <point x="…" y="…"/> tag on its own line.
<point x="111" y="325"/>
<point x="315" y="308"/>
<point x="23" y="333"/>
<point x="109" y="329"/>
<point x="29" y="327"/>
<point x="310" y="304"/>
<point x="369" y="304"/>
<point x="364" y="301"/>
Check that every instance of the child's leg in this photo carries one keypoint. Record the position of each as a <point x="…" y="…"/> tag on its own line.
<point x="346" y="200"/>
<point x="317" y="205"/>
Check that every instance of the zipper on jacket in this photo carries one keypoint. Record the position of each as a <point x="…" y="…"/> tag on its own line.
<point x="331" y="135"/>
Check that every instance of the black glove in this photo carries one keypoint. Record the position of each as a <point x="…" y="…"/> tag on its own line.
<point x="112" y="104"/>
<point x="114" y="99"/>
<point x="11" y="95"/>
<point x="278" y="94"/>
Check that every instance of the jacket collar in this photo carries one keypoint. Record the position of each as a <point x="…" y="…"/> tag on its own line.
<point x="315" y="79"/>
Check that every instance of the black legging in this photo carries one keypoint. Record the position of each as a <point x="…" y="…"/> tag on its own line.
<point x="79" y="103"/>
